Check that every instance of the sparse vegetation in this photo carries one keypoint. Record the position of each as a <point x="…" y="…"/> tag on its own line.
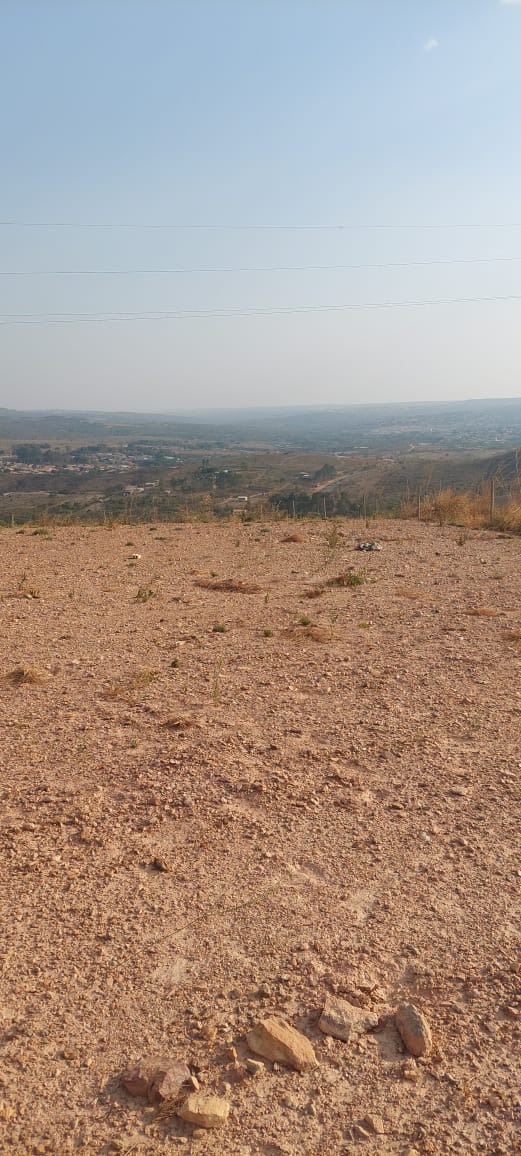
<point x="349" y="577"/>
<point x="24" y="676"/>
<point x="232" y="585"/>
<point x="126" y="688"/>
<point x="218" y="628"/>
<point x="293" y="537"/>
<point x="144" y="594"/>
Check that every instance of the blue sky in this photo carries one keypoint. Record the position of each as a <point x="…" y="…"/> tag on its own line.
<point x="293" y="113"/>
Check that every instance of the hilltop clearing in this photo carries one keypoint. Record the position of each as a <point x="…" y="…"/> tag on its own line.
<point x="248" y="771"/>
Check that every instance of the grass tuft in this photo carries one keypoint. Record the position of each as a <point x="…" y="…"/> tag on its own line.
<point x="232" y="585"/>
<point x="348" y="578"/>
<point x="24" y="676"/>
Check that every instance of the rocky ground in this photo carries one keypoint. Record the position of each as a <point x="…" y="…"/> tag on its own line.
<point x="222" y="806"/>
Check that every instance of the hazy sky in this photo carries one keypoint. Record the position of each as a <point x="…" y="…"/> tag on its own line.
<point x="252" y="112"/>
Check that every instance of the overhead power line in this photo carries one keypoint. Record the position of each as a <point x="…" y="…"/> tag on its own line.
<point x="256" y="228"/>
<point x="255" y="268"/>
<point x="254" y="311"/>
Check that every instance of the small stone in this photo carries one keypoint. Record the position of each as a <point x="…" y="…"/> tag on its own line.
<point x="204" y="1111"/>
<point x="160" y="864"/>
<point x="343" y="1020"/>
<point x="360" y="1133"/>
<point x="255" y="1067"/>
<point x="231" y="1054"/>
<point x="414" y="1029"/>
<point x="158" y="1077"/>
<point x="410" y="1071"/>
<point x="276" y="1040"/>
<point x="373" y="1124"/>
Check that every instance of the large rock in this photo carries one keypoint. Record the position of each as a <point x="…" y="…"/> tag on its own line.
<point x="204" y="1111"/>
<point x="158" y="1077"/>
<point x="344" y="1021"/>
<point x="277" y="1041"/>
<point x="414" y="1029"/>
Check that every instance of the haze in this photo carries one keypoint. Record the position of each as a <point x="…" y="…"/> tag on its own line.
<point x="355" y="113"/>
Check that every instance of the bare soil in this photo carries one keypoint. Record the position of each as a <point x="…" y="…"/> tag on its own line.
<point x="201" y="827"/>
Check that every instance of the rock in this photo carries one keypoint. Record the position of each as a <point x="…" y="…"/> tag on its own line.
<point x="204" y="1111"/>
<point x="344" y="1021"/>
<point x="410" y="1071"/>
<point x="255" y="1067"/>
<point x="373" y="1124"/>
<point x="158" y="1077"/>
<point x="414" y="1029"/>
<point x="276" y="1040"/>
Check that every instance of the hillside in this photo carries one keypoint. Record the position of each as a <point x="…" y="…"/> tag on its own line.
<point x="224" y="804"/>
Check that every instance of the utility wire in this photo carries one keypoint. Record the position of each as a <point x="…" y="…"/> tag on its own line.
<point x="184" y="314"/>
<point x="254" y="268"/>
<point x="253" y="228"/>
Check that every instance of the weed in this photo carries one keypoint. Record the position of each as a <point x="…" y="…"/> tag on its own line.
<point x="178" y="724"/>
<point x="268" y="633"/>
<point x="41" y="531"/>
<point x="218" y="628"/>
<point x="175" y="664"/>
<point x="333" y="536"/>
<point x="24" y="675"/>
<point x="301" y="634"/>
<point x="462" y="538"/>
<point x="312" y="592"/>
<point x="512" y="635"/>
<point x="230" y="584"/>
<point x="216" y="684"/>
<point x="348" y="578"/>
<point x="304" y="621"/>
<point x="266" y="599"/>
<point x="143" y="595"/>
<point x="213" y="573"/>
<point x="121" y="690"/>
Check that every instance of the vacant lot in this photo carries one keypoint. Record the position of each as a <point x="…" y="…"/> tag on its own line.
<point x="235" y="781"/>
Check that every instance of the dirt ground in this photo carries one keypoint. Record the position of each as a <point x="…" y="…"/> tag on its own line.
<point x="201" y="827"/>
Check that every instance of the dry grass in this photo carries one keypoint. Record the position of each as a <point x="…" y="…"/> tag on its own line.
<point x="468" y="509"/>
<point x="313" y="592"/>
<point x="121" y="690"/>
<point x="482" y="612"/>
<point x="178" y="724"/>
<point x="512" y="635"/>
<point x="231" y="585"/>
<point x="306" y="634"/>
<point x="348" y="578"/>
<point x="24" y="676"/>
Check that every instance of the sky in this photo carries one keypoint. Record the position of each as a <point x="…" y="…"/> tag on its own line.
<point x="196" y="160"/>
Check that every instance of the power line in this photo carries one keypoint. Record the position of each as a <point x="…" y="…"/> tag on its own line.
<point x="255" y="228"/>
<point x="254" y="268"/>
<point x="254" y="311"/>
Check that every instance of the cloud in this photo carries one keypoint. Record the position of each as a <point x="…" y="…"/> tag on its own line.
<point x="432" y="43"/>
<point x="510" y="1"/>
